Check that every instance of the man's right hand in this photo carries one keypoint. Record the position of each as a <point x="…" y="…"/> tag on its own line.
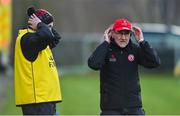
<point x="107" y="34"/>
<point x="33" y="22"/>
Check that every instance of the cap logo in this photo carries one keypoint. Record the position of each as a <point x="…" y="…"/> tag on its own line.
<point x="124" y="23"/>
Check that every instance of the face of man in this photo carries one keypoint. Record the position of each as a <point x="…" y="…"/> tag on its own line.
<point x="121" y="37"/>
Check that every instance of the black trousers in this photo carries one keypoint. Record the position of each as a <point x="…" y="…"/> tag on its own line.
<point x="124" y="111"/>
<point x="39" y="109"/>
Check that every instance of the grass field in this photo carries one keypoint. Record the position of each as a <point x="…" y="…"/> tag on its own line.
<point x="160" y="93"/>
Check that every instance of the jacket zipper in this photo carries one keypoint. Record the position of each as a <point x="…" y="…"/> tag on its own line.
<point x="33" y="83"/>
<point x="121" y="52"/>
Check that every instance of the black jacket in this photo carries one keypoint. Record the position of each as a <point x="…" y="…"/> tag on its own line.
<point x="33" y="43"/>
<point x="119" y="78"/>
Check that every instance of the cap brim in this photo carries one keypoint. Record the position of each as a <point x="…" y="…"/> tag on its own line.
<point x="122" y="28"/>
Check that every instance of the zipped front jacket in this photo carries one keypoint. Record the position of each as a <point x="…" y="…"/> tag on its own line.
<point x="119" y="78"/>
<point x="36" y="76"/>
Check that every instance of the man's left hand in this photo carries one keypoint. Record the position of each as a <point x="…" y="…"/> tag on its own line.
<point x="138" y="34"/>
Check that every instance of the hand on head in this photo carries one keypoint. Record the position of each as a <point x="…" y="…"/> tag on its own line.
<point x="33" y="21"/>
<point x="138" y="33"/>
<point x="107" y="34"/>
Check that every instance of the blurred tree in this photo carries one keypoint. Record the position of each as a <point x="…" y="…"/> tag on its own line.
<point x="88" y="16"/>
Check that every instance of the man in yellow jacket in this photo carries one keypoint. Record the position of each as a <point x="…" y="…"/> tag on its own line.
<point x="37" y="86"/>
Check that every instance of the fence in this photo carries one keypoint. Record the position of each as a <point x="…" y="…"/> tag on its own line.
<point x="74" y="49"/>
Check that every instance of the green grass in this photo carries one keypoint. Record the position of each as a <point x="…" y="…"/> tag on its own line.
<point x="161" y="95"/>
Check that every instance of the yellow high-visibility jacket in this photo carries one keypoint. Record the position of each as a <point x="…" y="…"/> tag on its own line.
<point x="37" y="81"/>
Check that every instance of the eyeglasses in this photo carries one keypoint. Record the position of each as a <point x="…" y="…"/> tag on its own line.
<point x="123" y="32"/>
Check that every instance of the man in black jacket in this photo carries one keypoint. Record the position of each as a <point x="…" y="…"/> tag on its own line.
<point x="118" y="58"/>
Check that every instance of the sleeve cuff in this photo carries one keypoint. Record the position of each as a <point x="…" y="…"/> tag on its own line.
<point x="41" y="24"/>
<point x="144" y="44"/>
<point x="105" y="43"/>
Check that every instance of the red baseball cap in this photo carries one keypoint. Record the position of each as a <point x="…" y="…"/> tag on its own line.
<point x="122" y="24"/>
<point x="42" y="14"/>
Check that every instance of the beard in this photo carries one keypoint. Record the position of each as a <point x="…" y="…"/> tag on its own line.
<point x="122" y="44"/>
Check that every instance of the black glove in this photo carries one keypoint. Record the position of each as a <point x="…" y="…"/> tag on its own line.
<point x="55" y="39"/>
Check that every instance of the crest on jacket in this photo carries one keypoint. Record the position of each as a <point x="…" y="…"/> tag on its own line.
<point x="112" y="58"/>
<point x="131" y="57"/>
